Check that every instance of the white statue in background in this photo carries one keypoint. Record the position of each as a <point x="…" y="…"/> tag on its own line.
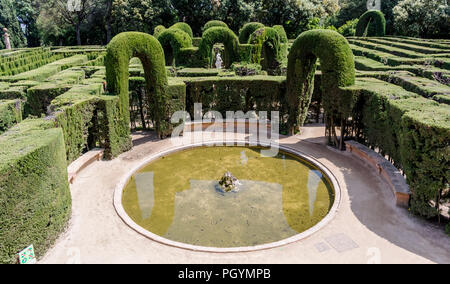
<point x="6" y="38"/>
<point x="374" y="5"/>
<point x="219" y="61"/>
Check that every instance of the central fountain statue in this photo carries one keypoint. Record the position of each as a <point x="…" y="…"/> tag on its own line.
<point x="229" y="183"/>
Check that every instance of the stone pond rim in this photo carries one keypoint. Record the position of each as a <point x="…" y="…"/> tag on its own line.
<point x="118" y="194"/>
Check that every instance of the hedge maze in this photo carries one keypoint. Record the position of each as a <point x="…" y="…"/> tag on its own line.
<point x="389" y="93"/>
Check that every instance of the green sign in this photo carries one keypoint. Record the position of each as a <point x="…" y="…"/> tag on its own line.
<point x="27" y="256"/>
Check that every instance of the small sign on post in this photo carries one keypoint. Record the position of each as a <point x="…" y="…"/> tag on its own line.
<point x="27" y="256"/>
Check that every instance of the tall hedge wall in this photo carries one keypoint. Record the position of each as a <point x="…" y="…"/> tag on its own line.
<point x="412" y="131"/>
<point x="266" y="47"/>
<point x="371" y="23"/>
<point x="35" y="201"/>
<point x="120" y="50"/>
<point x="337" y="67"/>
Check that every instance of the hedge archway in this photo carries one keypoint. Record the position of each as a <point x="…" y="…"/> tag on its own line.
<point x="172" y="40"/>
<point x="219" y="35"/>
<point x="267" y="45"/>
<point x="120" y="50"/>
<point x="158" y="30"/>
<point x="371" y="23"/>
<point x="184" y="27"/>
<point x="282" y="32"/>
<point x="247" y="30"/>
<point x="214" y="23"/>
<point x="338" y="71"/>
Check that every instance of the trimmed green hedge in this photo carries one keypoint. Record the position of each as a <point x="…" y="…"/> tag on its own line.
<point x="266" y="47"/>
<point x="158" y="30"/>
<point x="120" y="50"/>
<point x="371" y="23"/>
<point x="214" y="23"/>
<point x="224" y="94"/>
<point x="10" y="114"/>
<point x="412" y="131"/>
<point x="282" y="33"/>
<point x="172" y="41"/>
<point x="184" y="27"/>
<point x="337" y="67"/>
<point x="246" y="31"/>
<point x="35" y="201"/>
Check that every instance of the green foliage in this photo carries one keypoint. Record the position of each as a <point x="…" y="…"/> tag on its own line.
<point x="371" y="23"/>
<point x="424" y="18"/>
<point x="8" y="19"/>
<point x="412" y="131"/>
<point x="267" y="47"/>
<point x="184" y="27"/>
<point x="338" y="70"/>
<point x="173" y="40"/>
<point x="158" y="30"/>
<point x="447" y="229"/>
<point x="349" y="28"/>
<point x="35" y="202"/>
<point x="120" y="50"/>
<point x="247" y="30"/>
<point x="224" y="94"/>
<point x="10" y="114"/>
<point x="214" y="23"/>
<point x="39" y="97"/>
<point x="219" y="35"/>
<point x="282" y="33"/>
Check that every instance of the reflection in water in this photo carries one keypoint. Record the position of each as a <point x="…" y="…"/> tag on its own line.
<point x="258" y="205"/>
<point x="244" y="158"/>
<point x="175" y="197"/>
<point x="145" y="193"/>
<point x="314" y="179"/>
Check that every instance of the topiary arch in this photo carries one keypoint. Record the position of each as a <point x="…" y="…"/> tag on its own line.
<point x="371" y="23"/>
<point x="338" y="71"/>
<point x="184" y="27"/>
<point x="219" y="35"/>
<point x="120" y="50"/>
<point x="172" y="41"/>
<point x="267" y="46"/>
<point x="247" y="30"/>
<point x="214" y="23"/>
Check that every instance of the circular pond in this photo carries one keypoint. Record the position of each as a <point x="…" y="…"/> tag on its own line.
<point x="181" y="198"/>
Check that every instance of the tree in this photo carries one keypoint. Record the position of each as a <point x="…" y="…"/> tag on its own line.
<point x="8" y="19"/>
<point x="295" y="15"/>
<point x="66" y="13"/>
<point x="424" y="18"/>
<point x="27" y="12"/>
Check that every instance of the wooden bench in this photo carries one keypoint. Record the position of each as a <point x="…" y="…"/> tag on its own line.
<point x="387" y="170"/>
<point x="82" y="162"/>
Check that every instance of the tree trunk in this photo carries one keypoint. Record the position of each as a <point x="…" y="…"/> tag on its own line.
<point x="78" y="29"/>
<point x="108" y="21"/>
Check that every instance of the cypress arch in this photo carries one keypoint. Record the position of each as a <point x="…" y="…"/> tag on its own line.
<point x="247" y="31"/>
<point x="267" y="47"/>
<point x="337" y="67"/>
<point x="120" y="50"/>
<point x="172" y="41"/>
<point x="219" y="35"/>
<point x="372" y="21"/>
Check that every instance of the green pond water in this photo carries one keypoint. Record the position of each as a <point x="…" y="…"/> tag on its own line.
<point x="178" y="197"/>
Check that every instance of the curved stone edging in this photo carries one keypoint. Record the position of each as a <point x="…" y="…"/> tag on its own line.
<point x="124" y="216"/>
